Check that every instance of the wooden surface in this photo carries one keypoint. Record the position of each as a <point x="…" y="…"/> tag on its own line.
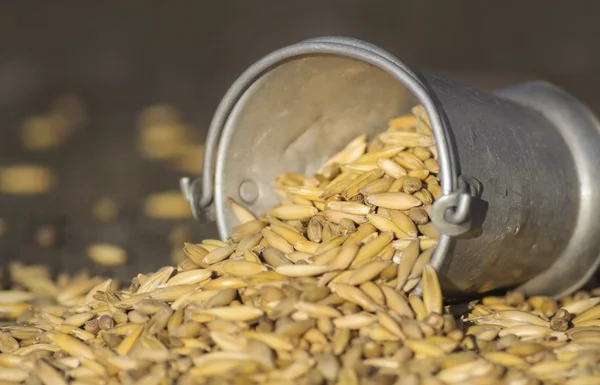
<point x="121" y="58"/>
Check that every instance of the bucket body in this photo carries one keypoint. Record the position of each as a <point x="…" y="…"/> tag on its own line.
<point x="517" y="167"/>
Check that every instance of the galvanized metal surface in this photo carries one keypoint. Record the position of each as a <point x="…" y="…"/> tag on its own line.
<point x="530" y="193"/>
<point x="580" y="130"/>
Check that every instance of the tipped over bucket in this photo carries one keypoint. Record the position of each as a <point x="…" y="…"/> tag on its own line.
<point x="518" y="168"/>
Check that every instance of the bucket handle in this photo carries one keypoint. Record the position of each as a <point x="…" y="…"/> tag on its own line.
<point x="199" y="192"/>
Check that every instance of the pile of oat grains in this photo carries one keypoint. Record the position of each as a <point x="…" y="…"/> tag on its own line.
<point x="319" y="290"/>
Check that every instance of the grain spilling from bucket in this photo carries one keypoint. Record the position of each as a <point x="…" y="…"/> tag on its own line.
<point x="318" y="290"/>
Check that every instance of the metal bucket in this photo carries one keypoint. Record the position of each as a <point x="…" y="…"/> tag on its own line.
<point x="519" y="168"/>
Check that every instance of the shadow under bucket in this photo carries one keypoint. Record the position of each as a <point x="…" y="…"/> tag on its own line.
<point x="518" y="168"/>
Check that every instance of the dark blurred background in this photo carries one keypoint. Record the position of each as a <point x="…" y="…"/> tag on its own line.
<point x="119" y="58"/>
